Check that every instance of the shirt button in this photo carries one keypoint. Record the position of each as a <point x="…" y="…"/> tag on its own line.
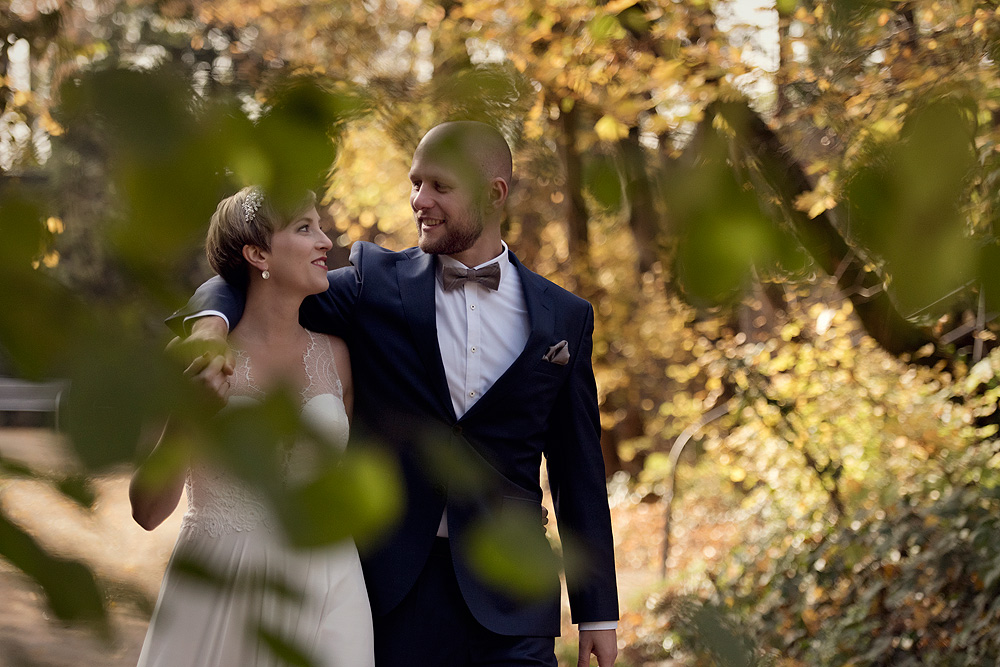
<point x="471" y="394"/>
<point x="473" y="306"/>
<point x="473" y="348"/>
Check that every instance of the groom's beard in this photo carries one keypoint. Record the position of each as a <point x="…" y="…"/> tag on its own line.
<point x="460" y="236"/>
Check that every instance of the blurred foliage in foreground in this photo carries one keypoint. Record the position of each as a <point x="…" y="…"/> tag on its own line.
<point x="792" y="215"/>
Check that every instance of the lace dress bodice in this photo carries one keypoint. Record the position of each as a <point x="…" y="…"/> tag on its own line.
<point x="218" y="503"/>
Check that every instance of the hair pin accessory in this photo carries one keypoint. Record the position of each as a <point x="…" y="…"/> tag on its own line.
<point x="251" y="203"/>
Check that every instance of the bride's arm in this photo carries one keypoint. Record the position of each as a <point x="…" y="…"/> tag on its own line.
<point x="156" y="485"/>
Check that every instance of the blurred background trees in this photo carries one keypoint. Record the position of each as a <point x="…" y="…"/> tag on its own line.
<point x="785" y="211"/>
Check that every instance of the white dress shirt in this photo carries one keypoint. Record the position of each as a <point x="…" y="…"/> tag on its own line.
<point x="480" y="332"/>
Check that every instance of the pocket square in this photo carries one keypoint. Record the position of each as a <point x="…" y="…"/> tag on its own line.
<point x="558" y="354"/>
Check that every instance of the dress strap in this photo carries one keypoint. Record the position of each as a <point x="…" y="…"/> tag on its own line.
<point x="321" y="368"/>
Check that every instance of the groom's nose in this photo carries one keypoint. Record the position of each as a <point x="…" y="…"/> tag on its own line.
<point x="421" y="198"/>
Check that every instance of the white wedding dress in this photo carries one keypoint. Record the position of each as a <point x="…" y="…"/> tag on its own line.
<point x="319" y="605"/>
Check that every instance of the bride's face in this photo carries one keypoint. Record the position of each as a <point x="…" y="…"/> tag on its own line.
<point x="298" y="254"/>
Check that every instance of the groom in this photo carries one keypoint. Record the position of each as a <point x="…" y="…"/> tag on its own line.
<point x="460" y="352"/>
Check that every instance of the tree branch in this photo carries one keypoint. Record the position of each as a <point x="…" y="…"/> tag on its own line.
<point x="763" y="153"/>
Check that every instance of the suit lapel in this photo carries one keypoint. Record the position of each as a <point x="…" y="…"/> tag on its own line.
<point x="416" y="287"/>
<point x="541" y="322"/>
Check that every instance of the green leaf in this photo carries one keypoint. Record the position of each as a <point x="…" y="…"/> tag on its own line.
<point x="21" y="216"/>
<point x="908" y="198"/>
<point x="38" y="323"/>
<point x="283" y="648"/>
<point x="634" y="19"/>
<point x="296" y="135"/>
<point x="79" y="489"/>
<point x="70" y="588"/>
<point x="111" y="397"/>
<point x="604" y="27"/>
<point x="359" y="496"/>
<point x="510" y="553"/>
<point x="786" y="7"/>
<point x="603" y="182"/>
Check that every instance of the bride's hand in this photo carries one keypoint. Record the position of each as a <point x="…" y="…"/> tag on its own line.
<point x="210" y="361"/>
<point x="212" y="371"/>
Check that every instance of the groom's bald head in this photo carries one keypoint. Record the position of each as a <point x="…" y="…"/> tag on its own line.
<point x="466" y="143"/>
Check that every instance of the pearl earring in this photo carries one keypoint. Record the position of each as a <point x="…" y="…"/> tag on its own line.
<point x="265" y="274"/>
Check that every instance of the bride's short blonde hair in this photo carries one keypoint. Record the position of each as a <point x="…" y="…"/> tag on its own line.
<point x="248" y="217"/>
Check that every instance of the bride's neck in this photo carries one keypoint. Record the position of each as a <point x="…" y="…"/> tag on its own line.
<point x="269" y="318"/>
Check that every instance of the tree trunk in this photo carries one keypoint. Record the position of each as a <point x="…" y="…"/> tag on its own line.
<point x="642" y="217"/>
<point x="529" y="242"/>
<point x="576" y="212"/>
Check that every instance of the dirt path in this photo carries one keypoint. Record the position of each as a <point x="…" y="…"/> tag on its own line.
<point x="132" y="561"/>
<point x="121" y="553"/>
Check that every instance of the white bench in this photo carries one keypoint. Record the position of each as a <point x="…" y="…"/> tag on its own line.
<point x="24" y="396"/>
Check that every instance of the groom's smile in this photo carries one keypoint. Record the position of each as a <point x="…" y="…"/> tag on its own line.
<point x="427" y="223"/>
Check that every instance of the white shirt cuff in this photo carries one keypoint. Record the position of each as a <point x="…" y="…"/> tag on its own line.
<point x="204" y="313"/>
<point x="599" y="625"/>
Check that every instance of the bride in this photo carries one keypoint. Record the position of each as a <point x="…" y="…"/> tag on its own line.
<point x="269" y="598"/>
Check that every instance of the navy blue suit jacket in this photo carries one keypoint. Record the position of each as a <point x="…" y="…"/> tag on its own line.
<point x="383" y="307"/>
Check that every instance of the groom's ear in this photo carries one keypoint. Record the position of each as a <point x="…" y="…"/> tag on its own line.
<point x="498" y="192"/>
<point x="255" y="257"/>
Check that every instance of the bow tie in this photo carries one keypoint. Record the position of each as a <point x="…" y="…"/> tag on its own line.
<point x="487" y="276"/>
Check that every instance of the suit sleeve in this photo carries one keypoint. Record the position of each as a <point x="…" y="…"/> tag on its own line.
<point x="214" y="294"/>
<point x="327" y="312"/>
<point x="579" y="491"/>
